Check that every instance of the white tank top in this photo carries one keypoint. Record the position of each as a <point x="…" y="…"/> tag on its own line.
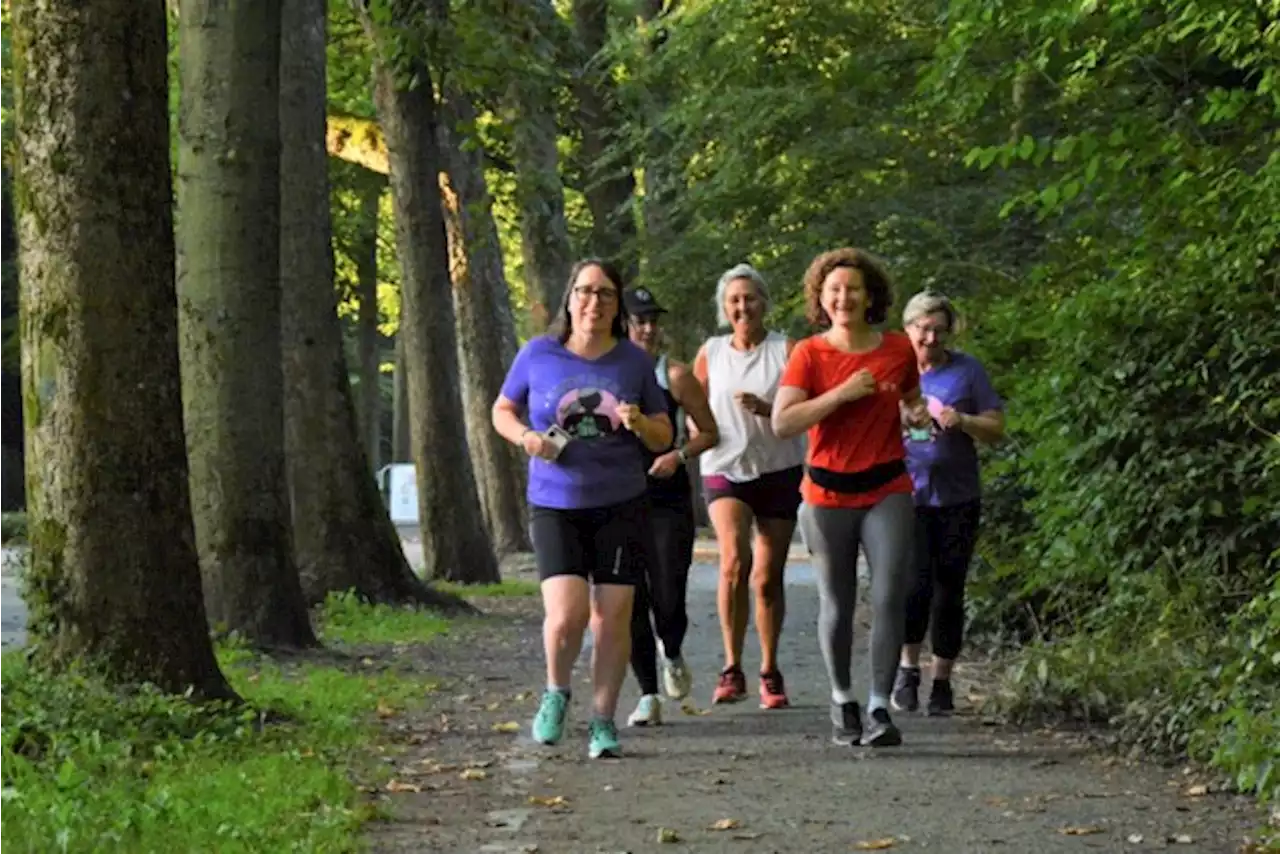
<point x="748" y="447"/>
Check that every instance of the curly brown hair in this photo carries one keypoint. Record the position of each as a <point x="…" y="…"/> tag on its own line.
<point x="879" y="288"/>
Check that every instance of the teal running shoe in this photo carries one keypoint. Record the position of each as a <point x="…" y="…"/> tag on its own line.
<point x="604" y="740"/>
<point x="548" y="723"/>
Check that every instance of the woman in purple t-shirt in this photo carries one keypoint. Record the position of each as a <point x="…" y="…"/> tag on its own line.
<point x="943" y="462"/>
<point x="583" y="403"/>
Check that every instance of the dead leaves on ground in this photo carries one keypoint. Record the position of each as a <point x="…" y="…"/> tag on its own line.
<point x="875" y="844"/>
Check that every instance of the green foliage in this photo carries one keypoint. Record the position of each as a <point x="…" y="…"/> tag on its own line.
<point x="91" y="767"/>
<point x="510" y="587"/>
<point x="1138" y="507"/>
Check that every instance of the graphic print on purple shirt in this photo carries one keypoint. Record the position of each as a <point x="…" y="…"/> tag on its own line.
<point x="604" y="464"/>
<point x="944" y="466"/>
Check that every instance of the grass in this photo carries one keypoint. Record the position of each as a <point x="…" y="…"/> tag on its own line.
<point x="13" y="528"/>
<point x="510" y="587"/>
<point x="91" y="768"/>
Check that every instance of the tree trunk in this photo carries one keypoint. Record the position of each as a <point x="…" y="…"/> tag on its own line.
<point x="455" y="544"/>
<point x="229" y="317"/>
<point x="343" y="538"/>
<point x="369" y="337"/>
<point x="400" y="432"/>
<point x="486" y="329"/>
<point x="114" y="574"/>
<point x="610" y="184"/>
<point x="539" y="191"/>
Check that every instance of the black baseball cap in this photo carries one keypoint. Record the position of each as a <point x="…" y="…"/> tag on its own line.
<point x="641" y="302"/>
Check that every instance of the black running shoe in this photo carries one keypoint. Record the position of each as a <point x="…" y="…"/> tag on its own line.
<point x="906" y="690"/>
<point x="941" y="700"/>
<point x="846" y="724"/>
<point x="882" y="732"/>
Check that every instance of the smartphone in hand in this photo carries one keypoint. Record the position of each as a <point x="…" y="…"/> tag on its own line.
<point x="556" y="435"/>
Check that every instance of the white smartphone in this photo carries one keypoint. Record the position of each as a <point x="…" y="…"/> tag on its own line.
<point x="556" y="435"/>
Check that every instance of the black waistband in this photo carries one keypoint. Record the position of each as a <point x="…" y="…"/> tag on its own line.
<point x="857" y="481"/>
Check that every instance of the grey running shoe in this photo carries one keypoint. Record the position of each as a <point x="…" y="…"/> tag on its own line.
<point x="846" y="724"/>
<point x="882" y="732"/>
<point x="906" y="690"/>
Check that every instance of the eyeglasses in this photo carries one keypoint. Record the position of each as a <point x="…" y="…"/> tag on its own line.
<point x="927" y="328"/>
<point x="605" y="295"/>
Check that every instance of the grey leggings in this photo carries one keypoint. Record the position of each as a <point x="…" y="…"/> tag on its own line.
<point x="885" y="532"/>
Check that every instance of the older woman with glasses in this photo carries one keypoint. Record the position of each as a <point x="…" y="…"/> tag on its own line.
<point x="942" y="459"/>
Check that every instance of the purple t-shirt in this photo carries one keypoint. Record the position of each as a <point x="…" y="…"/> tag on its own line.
<point x="604" y="463"/>
<point x="944" y="467"/>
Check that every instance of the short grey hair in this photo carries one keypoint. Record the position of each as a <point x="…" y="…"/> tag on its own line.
<point x="739" y="271"/>
<point x="930" y="302"/>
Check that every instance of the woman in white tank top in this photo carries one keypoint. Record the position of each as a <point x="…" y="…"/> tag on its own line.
<point x="750" y="475"/>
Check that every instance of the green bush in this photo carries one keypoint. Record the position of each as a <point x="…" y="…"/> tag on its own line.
<point x="13" y="527"/>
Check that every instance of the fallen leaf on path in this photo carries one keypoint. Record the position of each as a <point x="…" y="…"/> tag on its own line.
<point x="1135" y="838"/>
<point x="1197" y="791"/>
<point x="725" y="824"/>
<point x="434" y="767"/>
<point x="875" y="844"/>
<point x="1088" y="830"/>
<point x="397" y="786"/>
<point x="507" y="726"/>
<point x="690" y="709"/>
<point x="1180" y="839"/>
<point x="473" y="774"/>
<point x="384" y="711"/>
<point x="667" y="836"/>
<point x="493" y="707"/>
<point x="747" y="835"/>
<point x="548" y="800"/>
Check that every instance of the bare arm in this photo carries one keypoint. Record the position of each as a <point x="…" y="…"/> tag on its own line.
<point x="688" y="392"/>
<point x="654" y="431"/>
<point x="508" y="420"/>
<point x="985" y="427"/>
<point x="794" y="412"/>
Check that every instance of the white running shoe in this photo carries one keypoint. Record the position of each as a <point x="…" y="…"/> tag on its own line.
<point x="676" y="678"/>
<point x="648" y="712"/>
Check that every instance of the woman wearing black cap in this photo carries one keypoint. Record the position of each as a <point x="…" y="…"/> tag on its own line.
<point x="671" y="514"/>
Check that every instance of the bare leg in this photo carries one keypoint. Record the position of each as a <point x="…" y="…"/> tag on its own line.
<point x="611" y="628"/>
<point x="771" y="546"/>
<point x="731" y="520"/>
<point x="566" y="608"/>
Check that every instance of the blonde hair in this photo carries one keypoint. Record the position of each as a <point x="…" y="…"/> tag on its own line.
<point x="931" y="302"/>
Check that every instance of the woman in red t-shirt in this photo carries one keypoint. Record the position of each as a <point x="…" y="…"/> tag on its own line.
<point x="850" y="387"/>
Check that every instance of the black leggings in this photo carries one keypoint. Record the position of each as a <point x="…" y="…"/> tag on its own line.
<point x="945" y="537"/>
<point x="662" y="592"/>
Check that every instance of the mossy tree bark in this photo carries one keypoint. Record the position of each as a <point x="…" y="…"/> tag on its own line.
<point x="486" y="328"/>
<point x="455" y="543"/>
<point x="114" y="576"/>
<point x="343" y="538"/>
<point x="229" y="317"/>
<point x="370" y="339"/>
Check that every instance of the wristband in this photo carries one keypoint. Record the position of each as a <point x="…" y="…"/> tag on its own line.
<point x="684" y="458"/>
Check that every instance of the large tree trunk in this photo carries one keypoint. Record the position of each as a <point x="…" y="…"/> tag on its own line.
<point x="544" y="232"/>
<point x="400" y="432"/>
<point x="114" y="574"/>
<point x="455" y="544"/>
<point x="370" y="339"/>
<point x="610" y="184"/>
<point x="343" y="538"/>
<point x="229" y="317"/>
<point x="486" y="328"/>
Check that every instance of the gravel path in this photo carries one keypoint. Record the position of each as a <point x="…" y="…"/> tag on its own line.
<point x="739" y="779"/>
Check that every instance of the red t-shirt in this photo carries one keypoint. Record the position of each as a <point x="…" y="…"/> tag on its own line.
<point x="858" y="435"/>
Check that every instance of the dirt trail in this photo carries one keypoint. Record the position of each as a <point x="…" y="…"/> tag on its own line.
<point x="771" y="780"/>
